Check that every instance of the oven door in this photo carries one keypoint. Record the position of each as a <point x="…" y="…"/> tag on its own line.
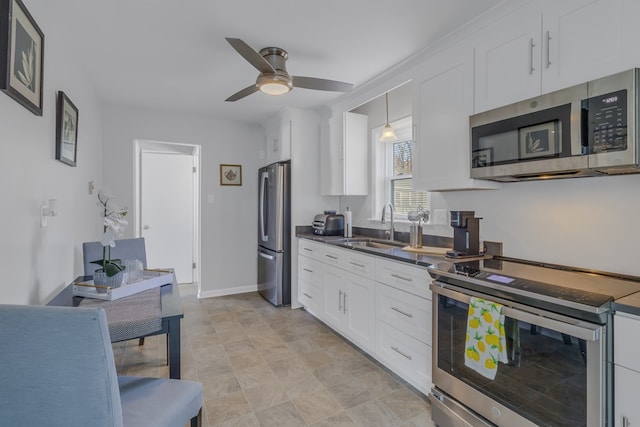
<point x="555" y="375"/>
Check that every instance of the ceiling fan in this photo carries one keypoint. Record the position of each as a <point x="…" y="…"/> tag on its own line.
<point x="273" y="78"/>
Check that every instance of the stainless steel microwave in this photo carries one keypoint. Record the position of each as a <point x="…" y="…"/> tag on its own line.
<point x="589" y="129"/>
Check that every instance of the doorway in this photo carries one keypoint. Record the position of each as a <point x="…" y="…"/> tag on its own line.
<point x="167" y="206"/>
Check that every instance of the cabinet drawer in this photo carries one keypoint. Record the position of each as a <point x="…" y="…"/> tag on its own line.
<point x="626" y="347"/>
<point x="404" y="277"/>
<point x="310" y="270"/>
<point x="626" y="401"/>
<point x="310" y="249"/>
<point x="333" y="255"/>
<point x="311" y="296"/>
<point x="406" y="356"/>
<point x="404" y="311"/>
<point x="360" y="264"/>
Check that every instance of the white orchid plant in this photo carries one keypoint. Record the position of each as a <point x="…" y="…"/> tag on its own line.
<point x="113" y="227"/>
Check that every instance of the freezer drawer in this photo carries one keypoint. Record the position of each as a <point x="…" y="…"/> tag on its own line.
<point x="270" y="277"/>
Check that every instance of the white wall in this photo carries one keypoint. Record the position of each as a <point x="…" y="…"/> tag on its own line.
<point x="584" y="222"/>
<point x="38" y="262"/>
<point x="229" y="224"/>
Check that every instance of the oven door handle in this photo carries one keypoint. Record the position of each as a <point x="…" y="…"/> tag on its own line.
<point x="582" y="330"/>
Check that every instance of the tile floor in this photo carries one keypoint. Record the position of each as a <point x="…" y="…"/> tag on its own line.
<point x="266" y="366"/>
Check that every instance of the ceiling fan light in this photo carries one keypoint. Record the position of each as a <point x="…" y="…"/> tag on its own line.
<point x="388" y="134"/>
<point x="274" y="87"/>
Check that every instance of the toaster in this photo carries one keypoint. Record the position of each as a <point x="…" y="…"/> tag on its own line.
<point x="328" y="224"/>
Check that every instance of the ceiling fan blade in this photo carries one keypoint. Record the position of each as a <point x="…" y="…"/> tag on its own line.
<point x="248" y="53"/>
<point x="320" y="84"/>
<point x="244" y="92"/>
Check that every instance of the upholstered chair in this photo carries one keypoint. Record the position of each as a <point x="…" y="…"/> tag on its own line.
<point x="57" y="370"/>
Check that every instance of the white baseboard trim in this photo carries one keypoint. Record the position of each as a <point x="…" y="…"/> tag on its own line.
<point x="228" y="291"/>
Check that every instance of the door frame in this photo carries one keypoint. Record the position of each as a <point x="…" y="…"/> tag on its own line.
<point x="141" y="146"/>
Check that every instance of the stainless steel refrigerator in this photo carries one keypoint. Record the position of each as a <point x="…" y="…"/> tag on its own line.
<point x="274" y="233"/>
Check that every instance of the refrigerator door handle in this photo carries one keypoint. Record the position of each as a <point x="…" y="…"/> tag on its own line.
<point x="269" y="257"/>
<point x="264" y="179"/>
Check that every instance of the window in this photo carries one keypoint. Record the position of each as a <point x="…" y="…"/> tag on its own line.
<point x="394" y="182"/>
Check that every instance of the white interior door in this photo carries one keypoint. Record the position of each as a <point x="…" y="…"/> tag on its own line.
<point x="167" y="211"/>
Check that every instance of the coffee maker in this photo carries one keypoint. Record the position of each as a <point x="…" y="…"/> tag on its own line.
<point x="466" y="234"/>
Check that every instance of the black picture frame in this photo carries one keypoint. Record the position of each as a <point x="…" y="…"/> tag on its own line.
<point x="21" y="55"/>
<point x="482" y="158"/>
<point x="66" y="130"/>
<point x="538" y="140"/>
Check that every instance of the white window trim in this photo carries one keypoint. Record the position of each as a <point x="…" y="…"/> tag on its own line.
<point x="403" y="128"/>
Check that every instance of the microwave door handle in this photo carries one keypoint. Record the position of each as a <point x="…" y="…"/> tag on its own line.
<point x="264" y="179"/>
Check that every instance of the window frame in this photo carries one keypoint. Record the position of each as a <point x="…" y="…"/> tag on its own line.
<point x="382" y="170"/>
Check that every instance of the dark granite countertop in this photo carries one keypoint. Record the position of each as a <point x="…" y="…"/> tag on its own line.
<point x="395" y="254"/>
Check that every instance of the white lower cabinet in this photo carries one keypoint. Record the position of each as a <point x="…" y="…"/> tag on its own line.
<point x="349" y="305"/>
<point x="626" y="358"/>
<point x="382" y="306"/>
<point x="404" y="355"/>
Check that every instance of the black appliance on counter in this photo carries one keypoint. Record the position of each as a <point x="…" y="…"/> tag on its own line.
<point x="559" y="344"/>
<point x="466" y="234"/>
<point x="328" y="224"/>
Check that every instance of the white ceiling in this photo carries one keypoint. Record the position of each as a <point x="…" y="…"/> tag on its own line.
<point x="172" y="55"/>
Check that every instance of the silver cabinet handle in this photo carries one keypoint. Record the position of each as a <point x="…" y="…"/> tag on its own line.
<point x="531" y="46"/>
<point x="625" y="422"/>
<point x="146" y="227"/>
<point x="331" y="256"/>
<point x="408" y="356"/>
<point x="406" y="279"/>
<point x="409" y="315"/>
<point x="307" y="295"/>
<point x="308" y="249"/>
<point x="340" y="301"/>
<point x="344" y="303"/>
<point x="307" y="270"/>
<point x="548" y="37"/>
<point x="357" y="264"/>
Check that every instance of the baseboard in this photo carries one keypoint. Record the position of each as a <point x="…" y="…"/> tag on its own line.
<point x="228" y="291"/>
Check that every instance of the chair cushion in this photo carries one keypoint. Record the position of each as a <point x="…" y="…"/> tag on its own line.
<point x="158" y="402"/>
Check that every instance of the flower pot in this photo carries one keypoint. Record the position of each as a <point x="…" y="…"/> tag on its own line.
<point x="100" y="278"/>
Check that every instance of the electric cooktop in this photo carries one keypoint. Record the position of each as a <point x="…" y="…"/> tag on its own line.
<point x="538" y="283"/>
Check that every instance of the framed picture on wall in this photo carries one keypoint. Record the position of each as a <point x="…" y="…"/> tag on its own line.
<point x="230" y="174"/>
<point x="539" y="140"/>
<point x="21" y="55"/>
<point x="66" y="130"/>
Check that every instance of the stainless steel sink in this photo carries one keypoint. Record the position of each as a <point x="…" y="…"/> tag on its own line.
<point x="370" y="243"/>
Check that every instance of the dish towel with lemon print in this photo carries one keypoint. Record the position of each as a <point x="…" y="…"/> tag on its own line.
<point x="485" y="343"/>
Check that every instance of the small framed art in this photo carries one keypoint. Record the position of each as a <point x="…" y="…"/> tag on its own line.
<point x="66" y="130"/>
<point x="482" y="157"/>
<point x="539" y="140"/>
<point x="230" y="174"/>
<point x="21" y="55"/>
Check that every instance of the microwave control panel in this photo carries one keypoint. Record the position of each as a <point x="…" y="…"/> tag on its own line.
<point x="607" y="122"/>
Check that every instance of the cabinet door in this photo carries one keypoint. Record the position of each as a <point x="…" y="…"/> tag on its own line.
<point x="360" y="310"/>
<point x="508" y="60"/>
<point x="442" y="105"/>
<point x="334" y="297"/>
<point x="627" y="411"/>
<point x="344" y="155"/>
<point x="583" y="40"/>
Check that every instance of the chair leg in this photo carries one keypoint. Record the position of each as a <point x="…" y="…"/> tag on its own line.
<point x="197" y="420"/>
<point x="141" y="341"/>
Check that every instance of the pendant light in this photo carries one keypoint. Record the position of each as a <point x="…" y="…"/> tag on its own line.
<point x="388" y="134"/>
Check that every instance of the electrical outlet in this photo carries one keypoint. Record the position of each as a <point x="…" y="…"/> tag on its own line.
<point x="440" y="217"/>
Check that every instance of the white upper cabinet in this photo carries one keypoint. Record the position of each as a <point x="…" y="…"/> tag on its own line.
<point x="278" y="130"/>
<point x="546" y="46"/>
<point x="344" y="155"/>
<point x="443" y="101"/>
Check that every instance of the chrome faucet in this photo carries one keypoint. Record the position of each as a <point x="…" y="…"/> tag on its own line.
<point x="389" y="233"/>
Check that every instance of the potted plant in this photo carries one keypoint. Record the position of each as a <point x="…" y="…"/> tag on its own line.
<point x="113" y="225"/>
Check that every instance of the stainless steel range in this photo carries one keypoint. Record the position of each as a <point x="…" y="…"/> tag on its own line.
<point x="558" y="342"/>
